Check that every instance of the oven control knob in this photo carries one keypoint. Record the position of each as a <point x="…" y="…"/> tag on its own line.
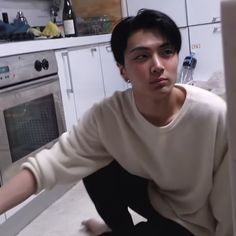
<point x="45" y="64"/>
<point x="38" y="65"/>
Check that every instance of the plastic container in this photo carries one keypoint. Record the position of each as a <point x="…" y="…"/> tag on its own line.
<point x="186" y="72"/>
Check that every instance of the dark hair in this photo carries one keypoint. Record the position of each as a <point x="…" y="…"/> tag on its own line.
<point x="148" y="20"/>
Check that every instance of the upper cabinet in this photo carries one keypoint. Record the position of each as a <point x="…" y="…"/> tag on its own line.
<point x="206" y="44"/>
<point x="202" y="11"/>
<point x="173" y="8"/>
<point x="205" y="38"/>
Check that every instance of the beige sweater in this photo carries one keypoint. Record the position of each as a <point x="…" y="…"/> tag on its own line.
<point x="186" y="161"/>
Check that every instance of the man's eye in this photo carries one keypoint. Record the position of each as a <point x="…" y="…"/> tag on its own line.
<point x="167" y="52"/>
<point x="140" y="57"/>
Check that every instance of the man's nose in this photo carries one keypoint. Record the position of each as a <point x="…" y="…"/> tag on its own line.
<point x="157" y="66"/>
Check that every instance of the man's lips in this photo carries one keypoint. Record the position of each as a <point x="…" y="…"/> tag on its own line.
<point x="159" y="80"/>
<point x="158" y="83"/>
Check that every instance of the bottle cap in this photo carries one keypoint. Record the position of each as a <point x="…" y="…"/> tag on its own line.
<point x="190" y="62"/>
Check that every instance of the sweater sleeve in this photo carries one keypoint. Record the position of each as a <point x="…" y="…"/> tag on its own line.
<point x="75" y="155"/>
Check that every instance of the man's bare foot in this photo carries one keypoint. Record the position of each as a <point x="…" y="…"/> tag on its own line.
<point x="95" y="227"/>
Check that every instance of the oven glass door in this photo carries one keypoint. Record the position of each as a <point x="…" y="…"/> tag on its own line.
<point x="30" y="126"/>
<point x="31" y="118"/>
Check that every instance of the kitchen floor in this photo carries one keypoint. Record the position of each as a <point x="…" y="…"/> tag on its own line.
<point x="65" y="215"/>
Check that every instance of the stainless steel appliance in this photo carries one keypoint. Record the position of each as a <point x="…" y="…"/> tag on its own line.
<point x="31" y="118"/>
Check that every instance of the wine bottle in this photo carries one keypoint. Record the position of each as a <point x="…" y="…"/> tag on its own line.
<point x="69" y="20"/>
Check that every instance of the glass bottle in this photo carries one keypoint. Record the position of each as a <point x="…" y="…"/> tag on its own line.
<point x="69" y="20"/>
<point x="20" y="16"/>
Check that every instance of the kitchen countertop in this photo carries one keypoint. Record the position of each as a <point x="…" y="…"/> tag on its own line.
<point x="15" y="48"/>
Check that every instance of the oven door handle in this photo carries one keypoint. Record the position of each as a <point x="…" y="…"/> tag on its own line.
<point x="67" y="70"/>
<point x="45" y="80"/>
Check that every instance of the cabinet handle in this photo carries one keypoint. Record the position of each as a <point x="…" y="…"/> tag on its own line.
<point x="68" y="71"/>
<point x="108" y="48"/>
<point x="93" y="50"/>
<point x="216" y="19"/>
<point x="217" y="30"/>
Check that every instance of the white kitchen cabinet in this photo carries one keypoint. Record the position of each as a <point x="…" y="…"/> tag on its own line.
<point x="86" y="74"/>
<point x="202" y="11"/>
<point x="67" y="90"/>
<point x="206" y="43"/>
<point x="174" y="8"/>
<point x="113" y="81"/>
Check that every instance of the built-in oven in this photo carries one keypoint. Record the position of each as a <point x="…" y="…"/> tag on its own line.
<point x="31" y="114"/>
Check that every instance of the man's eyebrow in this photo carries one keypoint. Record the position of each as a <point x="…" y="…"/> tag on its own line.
<point x="167" y="44"/>
<point x="140" y="48"/>
<point x="143" y="48"/>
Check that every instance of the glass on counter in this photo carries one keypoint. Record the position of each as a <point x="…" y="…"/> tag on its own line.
<point x="93" y="25"/>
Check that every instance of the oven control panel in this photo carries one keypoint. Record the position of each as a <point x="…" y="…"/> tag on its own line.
<point x="4" y="72"/>
<point x="25" y="67"/>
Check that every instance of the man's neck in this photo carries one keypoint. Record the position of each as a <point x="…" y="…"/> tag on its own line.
<point x="162" y="111"/>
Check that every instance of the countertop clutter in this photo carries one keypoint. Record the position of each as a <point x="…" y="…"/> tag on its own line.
<point x="20" y="36"/>
<point x="38" y="26"/>
<point x="47" y="39"/>
<point x="15" y="48"/>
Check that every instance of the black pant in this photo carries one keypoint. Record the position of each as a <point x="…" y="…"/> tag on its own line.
<point x="113" y="190"/>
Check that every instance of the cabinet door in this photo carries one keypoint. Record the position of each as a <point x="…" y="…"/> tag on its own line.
<point x="67" y="90"/>
<point x="173" y="8"/>
<point x="202" y="11"/>
<point x="113" y="81"/>
<point x="206" y="43"/>
<point x="87" y="77"/>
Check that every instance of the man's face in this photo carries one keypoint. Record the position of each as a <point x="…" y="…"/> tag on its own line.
<point x="150" y="64"/>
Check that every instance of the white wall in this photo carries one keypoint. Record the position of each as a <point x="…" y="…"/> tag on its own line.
<point x="37" y="12"/>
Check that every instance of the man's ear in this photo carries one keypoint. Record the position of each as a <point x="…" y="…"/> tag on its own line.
<point x="123" y="72"/>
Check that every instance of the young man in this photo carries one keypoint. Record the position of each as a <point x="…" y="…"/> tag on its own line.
<point x="158" y="148"/>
